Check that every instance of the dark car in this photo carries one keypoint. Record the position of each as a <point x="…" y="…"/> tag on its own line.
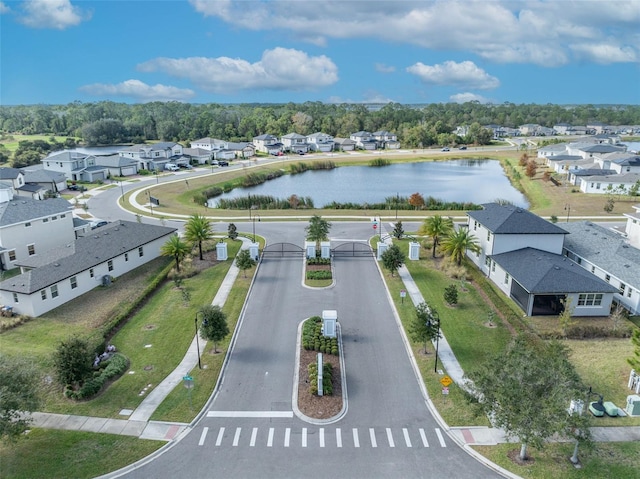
<point x="73" y="187"/>
<point x="462" y="147"/>
<point x="98" y="223"/>
<point x="223" y="163"/>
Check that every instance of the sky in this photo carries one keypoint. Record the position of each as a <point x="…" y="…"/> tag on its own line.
<point x="354" y="51"/>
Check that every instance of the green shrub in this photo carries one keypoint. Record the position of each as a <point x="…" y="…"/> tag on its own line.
<point x="114" y="367"/>
<point x="312" y="336"/>
<point x="319" y="275"/>
<point x="318" y="260"/>
<point x="379" y="162"/>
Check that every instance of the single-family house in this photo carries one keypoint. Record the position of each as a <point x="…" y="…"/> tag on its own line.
<point x="599" y="149"/>
<point x="53" y="181"/>
<point x="19" y="186"/>
<point x="153" y="157"/>
<point x="294" y="143"/>
<point x="344" y="144"/>
<point x="268" y="144"/>
<point x="197" y="156"/>
<point x="75" y="166"/>
<point x="386" y="140"/>
<point x="552" y="150"/>
<point x="521" y="254"/>
<point x="242" y="149"/>
<point x="620" y="162"/>
<point x="577" y="176"/>
<point x="561" y="128"/>
<point x="598" y="127"/>
<point x="619" y="184"/>
<point x="632" y="229"/>
<point x="30" y="228"/>
<point x="528" y="129"/>
<point x="364" y="140"/>
<point x="564" y="163"/>
<point x="613" y="258"/>
<point x="117" y="165"/>
<point x="320" y="142"/>
<point x="52" y="279"/>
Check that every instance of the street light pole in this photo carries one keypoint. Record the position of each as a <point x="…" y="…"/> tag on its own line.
<point x="122" y="191"/>
<point x="197" y="340"/>
<point x="150" y="203"/>
<point x="436" y="320"/>
<point x="567" y="208"/>
<point x="254" y="225"/>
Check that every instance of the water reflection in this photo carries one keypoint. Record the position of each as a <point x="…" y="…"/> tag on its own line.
<point x="475" y="181"/>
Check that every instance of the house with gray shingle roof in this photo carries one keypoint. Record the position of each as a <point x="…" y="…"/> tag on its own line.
<point x="320" y="142"/>
<point x="68" y="271"/>
<point x="609" y="184"/>
<point x="75" y="166"/>
<point x="53" y="181"/>
<point x="521" y="254"/>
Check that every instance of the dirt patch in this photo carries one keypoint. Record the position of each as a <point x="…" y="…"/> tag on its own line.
<point x="490" y="325"/>
<point x="514" y="455"/>
<point x="318" y="267"/>
<point x="313" y="406"/>
<point x="488" y="301"/>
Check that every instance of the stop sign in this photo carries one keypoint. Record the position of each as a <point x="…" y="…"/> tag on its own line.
<point x="375" y="225"/>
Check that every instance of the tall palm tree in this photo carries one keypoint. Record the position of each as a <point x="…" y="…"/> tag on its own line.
<point x="436" y="226"/>
<point x="175" y="247"/>
<point x="457" y="244"/>
<point x="318" y="230"/>
<point x="197" y="230"/>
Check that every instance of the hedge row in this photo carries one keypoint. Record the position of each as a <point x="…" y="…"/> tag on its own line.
<point x="318" y="260"/>
<point x="319" y="275"/>
<point x="327" y="379"/>
<point x="312" y="338"/>
<point x="114" y="367"/>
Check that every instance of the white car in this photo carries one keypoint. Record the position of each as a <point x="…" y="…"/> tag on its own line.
<point x="171" y="167"/>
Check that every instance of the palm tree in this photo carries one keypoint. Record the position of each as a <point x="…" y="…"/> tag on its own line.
<point x="175" y="247"/>
<point x="436" y="227"/>
<point x="457" y="244"/>
<point x="318" y="230"/>
<point x="197" y="230"/>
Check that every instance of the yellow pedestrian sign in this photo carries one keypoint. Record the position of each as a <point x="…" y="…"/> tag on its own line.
<point x="446" y="381"/>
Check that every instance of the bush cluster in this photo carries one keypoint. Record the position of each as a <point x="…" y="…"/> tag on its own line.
<point x="583" y="331"/>
<point x="301" y="167"/>
<point x="112" y="368"/>
<point x="318" y="260"/>
<point x="327" y="379"/>
<point x="312" y="338"/>
<point x="203" y="196"/>
<point x="379" y="162"/>
<point x="319" y="275"/>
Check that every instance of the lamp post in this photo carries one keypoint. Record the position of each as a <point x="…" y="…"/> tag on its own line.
<point x="150" y="203"/>
<point x="431" y="322"/>
<point x="567" y="208"/>
<point x="253" y="220"/>
<point x="397" y="201"/>
<point x="197" y="340"/>
<point x="122" y="191"/>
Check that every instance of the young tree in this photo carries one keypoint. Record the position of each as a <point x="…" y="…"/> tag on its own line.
<point x="424" y="326"/>
<point x="457" y="244"/>
<point x="416" y="200"/>
<point x="566" y="317"/>
<point x="73" y="361"/>
<point x="634" y="361"/>
<point x="232" y="231"/>
<point x="214" y="325"/>
<point x="244" y="261"/>
<point x="451" y="294"/>
<point x="524" y="159"/>
<point x="175" y="247"/>
<point x="318" y="230"/>
<point x="398" y="230"/>
<point x="531" y="169"/>
<point x="18" y="394"/>
<point x="197" y="230"/>
<point x="393" y="259"/>
<point x="436" y="227"/>
<point x="526" y="390"/>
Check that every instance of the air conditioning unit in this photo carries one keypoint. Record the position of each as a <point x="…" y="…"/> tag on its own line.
<point x="633" y="405"/>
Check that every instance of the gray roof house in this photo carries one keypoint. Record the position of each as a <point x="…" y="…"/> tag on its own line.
<point x="68" y="271"/>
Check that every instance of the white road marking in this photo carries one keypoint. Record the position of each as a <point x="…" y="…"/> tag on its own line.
<point x="390" y="438"/>
<point x="266" y="414"/>
<point x="287" y="436"/>
<point x="304" y="437"/>
<point x="423" y="436"/>
<point x="236" y="437"/>
<point x="203" y="436"/>
<point x="219" y="438"/>
<point x="407" y="439"/>
<point x="440" y="438"/>
<point x="270" y="438"/>
<point x="338" y="437"/>
<point x="254" y="434"/>
<point x="321" y="437"/>
<point x="372" y="435"/>
<point x="356" y="439"/>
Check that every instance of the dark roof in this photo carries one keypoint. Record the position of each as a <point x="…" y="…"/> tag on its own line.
<point x="97" y="247"/>
<point x="9" y="173"/>
<point x="593" y="172"/>
<point x="541" y="272"/>
<point x="43" y="176"/>
<point x="509" y="219"/>
<point x="32" y="187"/>
<point x="25" y="209"/>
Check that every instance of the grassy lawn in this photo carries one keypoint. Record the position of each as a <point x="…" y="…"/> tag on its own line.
<point x="12" y="144"/>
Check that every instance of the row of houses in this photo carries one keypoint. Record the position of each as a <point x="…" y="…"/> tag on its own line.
<point x="561" y="129"/>
<point x="540" y="265"/>
<point x="595" y="165"/>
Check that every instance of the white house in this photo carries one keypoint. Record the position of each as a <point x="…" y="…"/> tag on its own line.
<point x="75" y="166"/>
<point x="53" y="181"/>
<point x="609" y="256"/>
<point x="364" y="140"/>
<point x="30" y="228"/>
<point x="621" y="162"/>
<point x="386" y="140"/>
<point x="197" y="155"/>
<point x="295" y="143"/>
<point x="52" y="279"/>
<point x="153" y="157"/>
<point x="607" y="184"/>
<point x="344" y="144"/>
<point x="320" y="142"/>
<point x="521" y="253"/>
<point x="267" y="144"/>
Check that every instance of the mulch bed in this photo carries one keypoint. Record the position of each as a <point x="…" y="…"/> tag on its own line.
<point x="313" y="406"/>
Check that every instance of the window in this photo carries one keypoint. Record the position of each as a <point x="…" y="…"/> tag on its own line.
<point x="27" y="224"/>
<point x="110" y="265"/>
<point x="12" y="255"/>
<point x="43" y="294"/>
<point x="140" y="252"/>
<point x="54" y="291"/>
<point x="488" y="235"/>
<point x="590" y="299"/>
<point x="487" y="262"/>
<point x="63" y="216"/>
<point x="31" y="249"/>
<point x="593" y="269"/>
<point x="622" y="288"/>
<point x="475" y="225"/>
<point x="597" y="186"/>
<point x="15" y="298"/>
<point x="53" y="218"/>
<point x="506" y="278"/>
<point x="579" y="260"/>
<point x="607" y="277"/>
<point x="493" y="266"/>
<point x="91" y="273"/>
<point x="629" y="292"/>
<point x="74" y="282"/>
<point x="126" y="256"/>
<point x="46" y="220"/>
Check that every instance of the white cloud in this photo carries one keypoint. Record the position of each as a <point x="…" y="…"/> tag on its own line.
<point x="464" y="74"/>
<point x="605" y="53"/>
<point x="58" y="14"/>
<point x="4" y="8"/>
<point x="504" y="31"/>
<point x="278" y="69"/>
<point x="382" y="68"/>
<point x="465" y="97"/>
<point x="139" y="90"/>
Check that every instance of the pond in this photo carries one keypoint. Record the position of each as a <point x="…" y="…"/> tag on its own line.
<point x="475" y="181"/>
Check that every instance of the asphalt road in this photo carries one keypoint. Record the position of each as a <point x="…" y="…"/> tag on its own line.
<point x="250" y="430"/>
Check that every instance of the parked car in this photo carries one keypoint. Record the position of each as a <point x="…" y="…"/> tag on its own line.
<point x="223" y="163"/>
<point x="300" y="152"/>
<point x="171" y="167"/>
<point x="463" y="147"/>
<point x="96" y="223"/>
<point x="445" y="149"/>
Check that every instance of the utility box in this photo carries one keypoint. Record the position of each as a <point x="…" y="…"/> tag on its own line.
<point x="414" y="251"/>
<point x="329" y="319"/>
<point x="254" y="250"/>
<point x="310" y="249"/>
<point x="382" y="247"/>
<point x="221" y="251"/>
<point x="633" y="405"/>
<point x="325" y="249"/>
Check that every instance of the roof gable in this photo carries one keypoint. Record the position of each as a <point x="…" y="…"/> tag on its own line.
<point x="509" y="219"/>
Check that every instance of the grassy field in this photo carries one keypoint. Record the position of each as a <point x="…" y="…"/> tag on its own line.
<point x="12" y="142"/>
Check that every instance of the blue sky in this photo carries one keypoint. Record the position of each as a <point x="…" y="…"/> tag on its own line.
<point x="231" y="51"/>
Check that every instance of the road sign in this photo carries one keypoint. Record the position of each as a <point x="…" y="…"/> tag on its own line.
<point x="375" y="225"/>
<point x="446" y="381"/>
<point x="403" y="293"/>
<point x="445" y="391"/>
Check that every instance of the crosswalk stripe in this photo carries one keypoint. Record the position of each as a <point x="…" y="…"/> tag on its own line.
<point x="372" y="435"/>
<point x="390" y="438"/>
<point x="356" y="438"/>
<point x="270" y="438"/>
<point x="287" y="436"/>
<point x="304" y="437"/>
<point x="203" y="436"/>
<point x="219" y="438"/>
<point x="440" y="438"/>
<point x="423" y="436"/>
<point x="254" y="434"/>
<point x="321" y="437"/>
<point x="407" y="439"/>
<point x="338" y="437"/>
<point x="236" y="437"/>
